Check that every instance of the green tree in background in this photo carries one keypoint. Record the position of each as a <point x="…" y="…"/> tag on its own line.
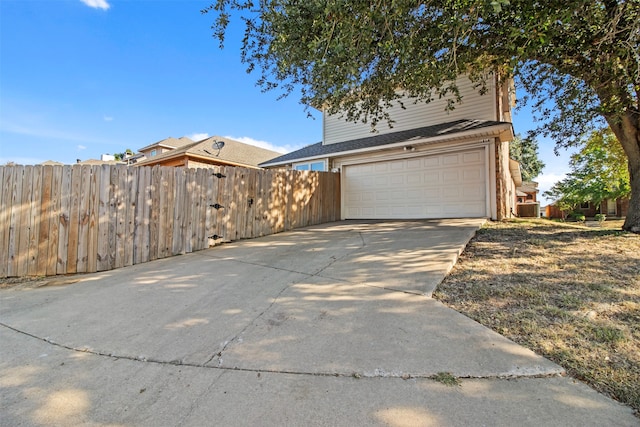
<point x="598" y="172"/>
<point x="578" y="60"/>
<point x="124" y="155"/>
<point x="525" y="152"/>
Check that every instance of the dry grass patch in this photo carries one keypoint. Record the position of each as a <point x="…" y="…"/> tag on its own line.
<point x="568" y="292"/>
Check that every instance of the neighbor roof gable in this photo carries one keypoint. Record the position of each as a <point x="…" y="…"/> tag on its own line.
<point x="170" y="142"/>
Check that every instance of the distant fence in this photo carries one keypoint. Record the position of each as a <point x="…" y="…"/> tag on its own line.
<point x="84" y="218"/>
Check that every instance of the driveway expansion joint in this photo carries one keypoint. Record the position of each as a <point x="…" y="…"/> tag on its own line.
<point x="376" y="374"/>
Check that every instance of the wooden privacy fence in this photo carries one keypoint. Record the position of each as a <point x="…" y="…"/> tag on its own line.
<point x="84" y="218"/>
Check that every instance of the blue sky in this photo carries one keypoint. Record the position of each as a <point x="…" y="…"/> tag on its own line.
<point x="80" y="78"/>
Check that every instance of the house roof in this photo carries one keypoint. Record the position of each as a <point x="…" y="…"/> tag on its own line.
<point x="169" y="143"/>
<point x="529" y="187"/>
<point x="99" y="162"/>
<point x="232" y="153"/>
<point x="427" y="134"/>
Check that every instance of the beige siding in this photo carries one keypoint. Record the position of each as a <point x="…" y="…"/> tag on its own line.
<point x="474" y="106"/>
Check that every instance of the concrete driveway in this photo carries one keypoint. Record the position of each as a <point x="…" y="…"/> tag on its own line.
<point x="329" y="325"/>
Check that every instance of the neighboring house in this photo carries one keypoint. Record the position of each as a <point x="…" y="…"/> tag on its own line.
<point x="213" y="151"/>
<point x="431" y="164"/>
<point x="104" y="160"/>
<point x="527" y="194"/>
<point x="168" y="144"/>
<point x="610" y="207"/>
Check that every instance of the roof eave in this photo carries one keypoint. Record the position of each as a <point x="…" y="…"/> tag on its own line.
<point x="516" y="173"/>
<point x="502" y="131"/>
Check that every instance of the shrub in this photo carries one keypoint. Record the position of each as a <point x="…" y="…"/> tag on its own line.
<point x="576" y="216"/>
<point x="600" y="217"/>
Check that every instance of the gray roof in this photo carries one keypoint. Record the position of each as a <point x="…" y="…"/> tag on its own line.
<point x="405" y="136"/>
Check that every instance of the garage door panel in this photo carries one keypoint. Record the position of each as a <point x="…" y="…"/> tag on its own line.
<point x="396" y="179"/>
<point x="433" y="161"/>
<point x="451" y="177"/>
<point x="450" y="159"/>
<point x="472" y="174"/>
<point x="441" y="186"/>
<point x="414" y="164"/>
<point x="398" y="165"/>
<point x="414" y="178"/>
<point x="473" y="192"/>
<point x="431" y="177"/>
<point x="382" y="196"/>
<point x="368" y="196"/>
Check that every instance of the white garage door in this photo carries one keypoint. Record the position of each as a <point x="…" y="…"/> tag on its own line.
<point x="448" y="185"/>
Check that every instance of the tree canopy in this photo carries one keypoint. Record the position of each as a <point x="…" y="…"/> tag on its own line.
<point x="598" y="172"/>
<point x="525" y="152"/>
<point x="578" y="60"/>
<point x="122" y="156"/>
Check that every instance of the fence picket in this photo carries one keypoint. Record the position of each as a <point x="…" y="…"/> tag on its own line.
<point x="154" y="212"/>
<point x="131" y="200"/>
<point x="74" y="215"/>
<point x="15" y="226"/>
<point x="25" y="221"/>
<point x="84" y="216"/>
<point x="64" y="222"/>
<point x="5" y="217"/>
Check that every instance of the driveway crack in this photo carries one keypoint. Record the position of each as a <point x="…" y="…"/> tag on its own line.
<point x="336" y="259"/>
<point x="237" y="336"/>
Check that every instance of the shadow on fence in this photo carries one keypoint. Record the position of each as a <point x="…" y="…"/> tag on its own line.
<point x="85" y="218"/>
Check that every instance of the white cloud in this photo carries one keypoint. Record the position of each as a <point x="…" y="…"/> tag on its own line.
<point x="546" y="181"/>
<point x="108" y="118"/>
<point x="261" y="144"/>
<point x="97" y="4"/>
<point x="198" y="136"/>
<point x="81" y="147"/>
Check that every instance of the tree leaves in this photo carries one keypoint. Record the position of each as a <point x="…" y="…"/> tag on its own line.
<point x="598" y="172"/>
<point x="525" y="152"/>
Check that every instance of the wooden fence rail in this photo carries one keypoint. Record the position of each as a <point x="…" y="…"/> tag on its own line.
<point x="84" y="218"/>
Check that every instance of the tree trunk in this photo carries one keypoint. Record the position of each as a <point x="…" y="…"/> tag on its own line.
<point x="627" y="130"/>
<point x="632" y="223"/>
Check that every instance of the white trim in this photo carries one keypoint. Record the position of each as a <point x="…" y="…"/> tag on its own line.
<point x="309" y="162"/>
<point x="424" y="151"/>
<point x="491" y="180"/>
